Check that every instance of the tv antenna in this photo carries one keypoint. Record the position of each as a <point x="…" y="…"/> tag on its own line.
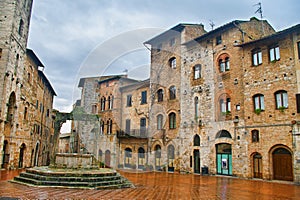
<point x="259" y="10"/>
<point x="212" y="24"/>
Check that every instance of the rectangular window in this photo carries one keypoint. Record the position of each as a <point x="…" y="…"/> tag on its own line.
<point x="0" y="53"/>
<point x="144" y="97"/>
<point x="218" y="40"/>
<point x="197" y="72"/>
<point x="94" y="109"/>
<point x="259" y="102"/>
<point x="127" y="126"/>
<point x="129" y="100"/>
<point x="298" y="102"/>
<point x="256" y="57"/>
<point x="298" y="46"/>
<point x="274" y="53"/>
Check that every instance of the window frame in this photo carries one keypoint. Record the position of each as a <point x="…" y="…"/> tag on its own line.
<point x="172" y="63"/>
<point x="197" y="71"/>
<point x="274" y="53"/>
<point x="172" y="92"/>
<point x="256" y="57"/>
<point x="254" y="136"/>
<point x="159" y="121"/>
<point x="144" y="97"/>
<point x="298" y="48"/>
<point x="160" y="95"/>
<point x="258" y="102"/>
<point x="129" y="100"/>
<point x="281" y="99"/>
<point x="172" y="120"/>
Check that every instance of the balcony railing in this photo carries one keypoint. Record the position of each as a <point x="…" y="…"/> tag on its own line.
<point x="135" y="133"/>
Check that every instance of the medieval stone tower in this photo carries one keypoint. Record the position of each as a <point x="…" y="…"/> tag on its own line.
<point x="14" y="27"/>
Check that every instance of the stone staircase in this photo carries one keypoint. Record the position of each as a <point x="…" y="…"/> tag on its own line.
<point x="102" y="178"/>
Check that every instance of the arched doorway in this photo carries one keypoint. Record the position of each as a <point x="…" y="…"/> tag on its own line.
<point x="5" y="158"/>
<point x="141" y="158"/>
<point x="36" y="155"/>
<point x="282" y="164"/>
<point x="107" y="158"/>
<point x="128" y="157"/>
<point x="21" y="155"/>
<point x="196" y="155"/>
<point x="157" y="157"/>
<point x="224" y="159"/>
<point x="171" y="157"/>
<point x="257" y="165"/>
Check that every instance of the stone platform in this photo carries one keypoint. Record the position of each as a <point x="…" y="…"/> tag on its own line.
<point x="102" y="178"/>
<point x="73" y="170"/>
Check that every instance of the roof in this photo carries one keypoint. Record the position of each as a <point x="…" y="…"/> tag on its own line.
<point x="171" y="32"/>
<point x="136" y="85"/>
<point x="215" y="31"/>
<point x="276" y="35"/>
<point x="47" y="82"/>
<point x="34" y="57"/>
<point x="99" y="78"/>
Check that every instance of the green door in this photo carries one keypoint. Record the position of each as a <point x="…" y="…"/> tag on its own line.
<point x="224" y="159"/>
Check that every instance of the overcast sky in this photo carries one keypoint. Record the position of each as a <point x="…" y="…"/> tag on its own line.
<point x="76" y="38"/>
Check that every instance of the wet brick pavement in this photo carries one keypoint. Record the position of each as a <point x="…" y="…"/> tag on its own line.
<point x="160" y="186"/>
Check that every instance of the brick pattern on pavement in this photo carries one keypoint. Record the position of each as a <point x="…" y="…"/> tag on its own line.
<point x="161" y="185"/>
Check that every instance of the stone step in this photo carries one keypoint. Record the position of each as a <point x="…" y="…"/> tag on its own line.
<point x="89" y="179"/>
<point x="71" y="173"/>
<point x="69" y="178"/>
<point x="97" y="185"/>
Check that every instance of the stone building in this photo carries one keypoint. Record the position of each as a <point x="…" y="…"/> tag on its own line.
<point x="26" y="118"/>
<point x="133" y="142"/>
<point x="219" y="102"/>
<point x="212" y="97"/>
<point x="272" y="106"/>
<point x="165" y="82"/>
<point x="101" y="96"/>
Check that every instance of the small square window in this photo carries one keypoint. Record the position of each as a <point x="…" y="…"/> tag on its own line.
<point x="218" y="40"/>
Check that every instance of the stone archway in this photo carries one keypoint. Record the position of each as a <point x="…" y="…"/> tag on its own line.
<point x="21" y="155"/>
<point x="282" y="164"/>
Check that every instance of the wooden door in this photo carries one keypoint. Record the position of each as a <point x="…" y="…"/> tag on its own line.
<point x="282" y="165"/>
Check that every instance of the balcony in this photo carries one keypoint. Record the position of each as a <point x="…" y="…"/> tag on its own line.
<point x="133" y="133"/>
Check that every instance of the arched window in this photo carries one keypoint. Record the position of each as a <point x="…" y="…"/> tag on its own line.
<point x="172" y="120"/>
<point x="223" y="133"/>
<point x="110" y="102"/>
<point x="100" y="155"/>
<point x="259" y="102"/>
<point x="141" y="157"/>
<point x="128" y="157"/>
<point x="172" y="62"/>
<point x="196" y="140"/>
<point x="255" y="135"/>
<point x="225" y="104"/>
<point x="159" y="121"/>
<point x="11" y="107"/>
<point x="172" y="91"/>
<point x="197" y="71"/>
<point x="102" y="102"/>
<point x="281" y="98"/>
<point x="101" y="127"/>
<point x="224" y="63"/>
<point x="160" y="95"/>
<point x="109" y="127"/>
<point x="196" y="102"/>
<point x="157" y="157"/>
